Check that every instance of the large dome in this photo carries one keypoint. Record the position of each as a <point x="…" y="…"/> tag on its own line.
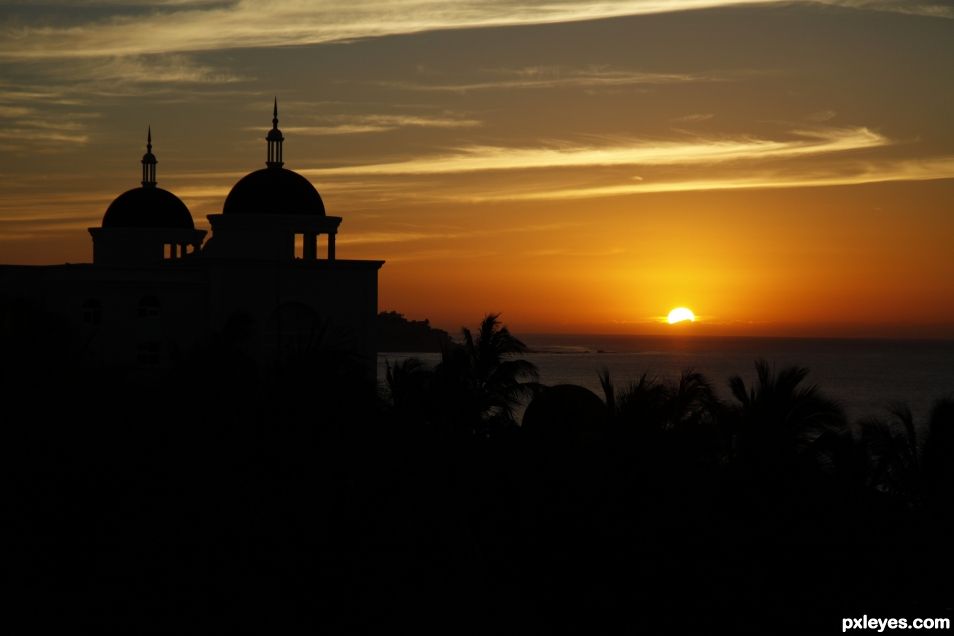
<point x="274" y="190"/>
<point x="148" y="207"/>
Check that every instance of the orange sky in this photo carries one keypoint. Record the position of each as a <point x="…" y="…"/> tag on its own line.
<point x="780" y="168"/>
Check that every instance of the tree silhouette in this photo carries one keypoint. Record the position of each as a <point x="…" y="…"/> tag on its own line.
<point x="642" y="403"/>
<point x="500" y="377"/>
<point x="650" y="403"/>
<point x="476" y="387"/>
<point x="484" y="378"/>
<point x="779" y="420"/>
<point x="938" y="455"/>
<point x="409" y="382"/>
<point x="893" y="454"/>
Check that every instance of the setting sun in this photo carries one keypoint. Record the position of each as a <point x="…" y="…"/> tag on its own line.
<point x="680" y="314"/>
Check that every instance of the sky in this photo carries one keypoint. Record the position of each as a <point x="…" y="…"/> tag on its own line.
<point x="781" y="168"/>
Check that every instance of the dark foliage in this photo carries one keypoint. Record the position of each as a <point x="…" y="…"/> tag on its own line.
<point x="222" y="497"/>
<point x="475" y="388"/>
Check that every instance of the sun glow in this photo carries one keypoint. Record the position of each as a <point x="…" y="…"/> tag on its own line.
<point x="680" y="314"/>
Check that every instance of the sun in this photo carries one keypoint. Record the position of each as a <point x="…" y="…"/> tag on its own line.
<point x="680" y="314"/>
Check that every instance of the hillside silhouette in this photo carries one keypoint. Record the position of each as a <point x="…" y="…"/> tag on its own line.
<point x="395" y="333"/>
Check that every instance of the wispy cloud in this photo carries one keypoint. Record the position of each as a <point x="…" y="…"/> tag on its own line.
<point x="52" y="112"/>
<point x="42" y="133"/>
<point x="53" y="213"/>
<point x="66" y="4"/>
<point x="910" y="7"/>
<point x="155" y="69"/>
<point x="356" y="124"/>
<point x="367" y="238"/>
<point x="634" y="152"/>
<point x="39" y="121"/>
<point x="555" y="77"/>
<point x="196" y="26"/>
<point x="14" y="111"/>
<point x="25" y="127"/>
<point x="430" y="234"/>
<point x="856" y="174"/>
<point x="805" y="158"/>
<point x="693" y="118"/>
<point x="75" y="81"/>
<point x="33" y="95"/>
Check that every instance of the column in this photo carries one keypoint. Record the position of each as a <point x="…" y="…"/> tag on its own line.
<point x="331" y="246"/>
<point x="309" y="250"/>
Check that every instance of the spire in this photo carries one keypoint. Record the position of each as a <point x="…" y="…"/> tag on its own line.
<point x="274" y="139"/>
<point x="149" y="163"/>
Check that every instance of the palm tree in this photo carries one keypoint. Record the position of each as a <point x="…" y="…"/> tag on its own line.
<point x="650" y="402"/>
<point x="939" y="452"/>
<point x="642" y="403"/>
<point x="483" y="378"/>
<point x="408" y="383"/>
<point x="692" y="401"/>
<point x="673" y="423"/>
<point x="779" y="419"/>
<point x="899" y="466"/>
<point x="894" y="462"/>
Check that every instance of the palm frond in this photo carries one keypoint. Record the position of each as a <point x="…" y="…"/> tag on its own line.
<point x="609" y="391"/>
<point x="739" y="392"/>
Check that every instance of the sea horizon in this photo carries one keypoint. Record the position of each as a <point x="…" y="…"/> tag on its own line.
<point x="867" y="376"/>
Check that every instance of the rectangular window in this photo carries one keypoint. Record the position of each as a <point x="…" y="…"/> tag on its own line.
<point x="92" y="312"/>
<point x="148" y="354"/>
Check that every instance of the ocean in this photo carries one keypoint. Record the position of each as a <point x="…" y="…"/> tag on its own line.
<point x="865" y="376"/>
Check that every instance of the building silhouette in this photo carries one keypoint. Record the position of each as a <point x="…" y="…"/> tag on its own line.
<point x="156" y="287"/>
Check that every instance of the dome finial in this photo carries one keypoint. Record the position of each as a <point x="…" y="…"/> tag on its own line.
<point x="274" y="139"/>
<point x="149" y="163"/>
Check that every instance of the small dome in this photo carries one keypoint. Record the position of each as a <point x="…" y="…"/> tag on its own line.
<point x="274" y="191"/>
<point x="148" y="207"/>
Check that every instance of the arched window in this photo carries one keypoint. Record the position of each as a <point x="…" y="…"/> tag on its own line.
<point x="92" y="311"/>
<point x="149" y="307"/>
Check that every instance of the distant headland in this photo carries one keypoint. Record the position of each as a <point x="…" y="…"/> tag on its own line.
<point x="396" y="333"/>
